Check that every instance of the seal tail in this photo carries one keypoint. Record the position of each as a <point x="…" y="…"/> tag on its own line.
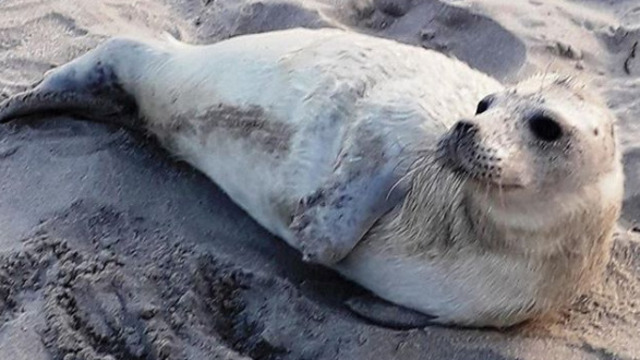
<point x="30" y="102"/>
<point x="33" y="102"/>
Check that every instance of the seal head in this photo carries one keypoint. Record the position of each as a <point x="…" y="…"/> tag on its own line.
<point x="531" y="139"/>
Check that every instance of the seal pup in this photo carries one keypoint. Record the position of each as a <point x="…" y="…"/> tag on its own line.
<point x="416" y="176"/>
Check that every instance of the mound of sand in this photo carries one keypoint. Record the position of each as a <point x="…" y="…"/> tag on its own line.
<point x="109" y="249"/>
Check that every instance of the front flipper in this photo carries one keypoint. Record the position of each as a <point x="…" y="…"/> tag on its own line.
<point x="365" y="185"/>
<point x="383" y="313"/>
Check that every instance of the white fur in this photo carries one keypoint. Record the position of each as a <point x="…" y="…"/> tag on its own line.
<point x="323" y="84"/>
<point x="303" y="78"/>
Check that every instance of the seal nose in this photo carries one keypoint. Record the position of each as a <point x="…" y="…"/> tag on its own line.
<point x="465" y="128"/>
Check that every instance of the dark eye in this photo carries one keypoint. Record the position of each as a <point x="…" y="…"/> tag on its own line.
<point x="545" y="128"/>
<point x="484" y="104"/>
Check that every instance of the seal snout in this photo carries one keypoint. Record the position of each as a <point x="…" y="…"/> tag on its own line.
<point x="465" y="128"/>
<point x="474" y="153"/>
<point x="457" y="142"/>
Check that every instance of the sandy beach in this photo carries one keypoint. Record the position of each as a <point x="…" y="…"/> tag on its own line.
<point x="112" y="249"/>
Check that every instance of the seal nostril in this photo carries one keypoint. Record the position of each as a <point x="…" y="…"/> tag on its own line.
<point x="464" y="127"/>
<point x="484" y="104"/>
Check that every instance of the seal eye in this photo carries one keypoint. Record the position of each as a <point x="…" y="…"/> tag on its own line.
<point x="545" y="128"/>
<point x="484" y="104"/>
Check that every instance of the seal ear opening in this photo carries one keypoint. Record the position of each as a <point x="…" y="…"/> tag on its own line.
<point x="94" y="108"/>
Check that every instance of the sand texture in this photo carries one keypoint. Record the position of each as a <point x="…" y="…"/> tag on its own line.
<point x="111" y="249"/>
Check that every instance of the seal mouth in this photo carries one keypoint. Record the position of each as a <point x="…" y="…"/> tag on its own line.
<point x="451" y="154"/>
<point x="483" y="182"/>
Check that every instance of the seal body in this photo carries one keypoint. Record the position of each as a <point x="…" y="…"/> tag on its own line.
<point x="365" y="154"/>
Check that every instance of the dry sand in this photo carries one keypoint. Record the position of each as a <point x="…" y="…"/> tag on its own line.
<point x="109" y="249"/>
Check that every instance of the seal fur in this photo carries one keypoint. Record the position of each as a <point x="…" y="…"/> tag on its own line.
<point x="364" y="154"/>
